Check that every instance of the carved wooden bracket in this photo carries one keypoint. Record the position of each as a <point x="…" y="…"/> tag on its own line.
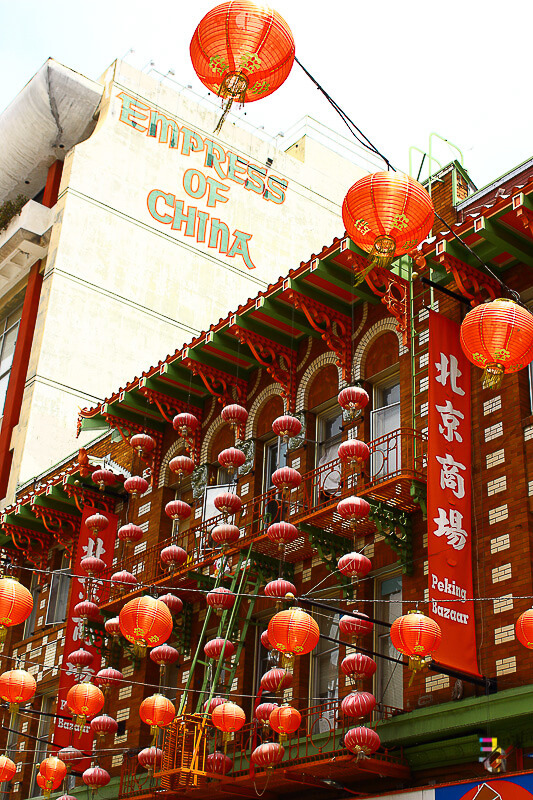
<point x="83" y="496"/>
<point x="219" y="384"/>
<point x="334" y="328"/>
<point x="168" y="407"/>
<point x="24" y="539"/>
<point x="62" y="526"/>
<point x="523" y="213"/>
<point x="279" y="361"/>
<point x="472" y="283"/>
<point x="126" y="428"/>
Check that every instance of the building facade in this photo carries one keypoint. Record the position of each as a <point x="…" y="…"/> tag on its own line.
<point x="291" y="348"/>
<point x="139" y="229"/>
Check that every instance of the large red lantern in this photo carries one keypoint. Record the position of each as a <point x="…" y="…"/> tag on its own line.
<point x="416" y="636"/>
<point x="293" y="632"/>
<point x="80" y="659"/>
<point x="150" y="758"/>
<point x="103" y="477"/>
<point x="84" y="700"/>
<point x="267" y="755"/>
<point x="263" y="711"/>
<point x="103" y="725"/>
<point x="135" y="485"/>
<point x="173" y="556"/>
<point x="108" y="677"/>
<point x="498" y="337"/>
<point x="96" y="777"/>
<point x="157" y="711"/>
<point x="92" y="565"/>
<point x="47" y="785"/>
<point x="219" y="647"/>
<point x="225" y="534"/>
<point x="280" y="588"/>
<point x="387" y="214"/>
<point x="16" y="604"/>
<point x="286" y="479"/>
<point x="282" y="533"/>
<point x="97" y="523"/>
<point x="123" y="580"/>
<point x="524" y="629"/>
<point x="358" y="665"/>
<point x="354" y="452"/>
<point x="87" y="610"/>
<point x="17" y="686"/>
<point x="242" y="52"/>
<point x="220" y="599"/>
<point x="276" y="680"/>
<point x="130" y="533"/>
<point x="287" y="426"/>
<point x="142" y="443"/>
<point x="164" y="654"/>
<point x="112" y="627"/>
<point x="7" y="769"/>
<point x="228" y="718"/>
<point x="234" y="414"/>
<point x="70" y="756"/>
<point x="228" y="503"/>
<point x="362" y="741"/>
<point x="353" y="399"/>
<point x="181" y="465"/>
<point x="219" y="763"/>
<point x="177" y="509"/>
<point x="353" y="508"/>
<point x="285" y="720"/>
<point x="145" y="622"/>
<point x="358" y="704"/>
<point x="355" y="565"/>
<point x="173" y="603"/>
<point x="231" y="458"/>
<point x="352" y="627"/>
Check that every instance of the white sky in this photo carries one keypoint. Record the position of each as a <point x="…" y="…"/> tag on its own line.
<point x="400" y="70"/>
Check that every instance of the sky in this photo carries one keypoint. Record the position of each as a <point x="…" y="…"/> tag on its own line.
<point x="400" y="70"/>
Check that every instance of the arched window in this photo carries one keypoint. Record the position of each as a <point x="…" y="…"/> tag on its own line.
<point x="385" y="420"/>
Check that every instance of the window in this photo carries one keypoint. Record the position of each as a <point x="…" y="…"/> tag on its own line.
<point x="9" y="326"/>
<point x="329" y="437"/>
<point x="325" y="672"/>
<point x="389" y="676"/>
<point x="41" y="745"/>
<point x="29" y="625"/>
<point x="384" y="421"/>
<point x="58" y="597"/>
<point x="275" y="456"/>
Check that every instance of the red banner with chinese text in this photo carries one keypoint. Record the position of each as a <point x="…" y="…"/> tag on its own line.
<point x="449" y="500"/>
<point x="101" y="546"/>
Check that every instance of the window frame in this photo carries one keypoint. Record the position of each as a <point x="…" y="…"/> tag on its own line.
<point x="4" y="330"/>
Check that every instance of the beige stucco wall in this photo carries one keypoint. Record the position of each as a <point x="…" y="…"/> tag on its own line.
<point x="122" y="289"/>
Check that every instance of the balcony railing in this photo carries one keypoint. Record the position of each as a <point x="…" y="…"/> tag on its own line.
<point x="396" y="460"/>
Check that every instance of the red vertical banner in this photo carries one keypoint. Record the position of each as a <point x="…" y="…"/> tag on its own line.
<point x="100" y="545"/>
<point x="449" y="506"/>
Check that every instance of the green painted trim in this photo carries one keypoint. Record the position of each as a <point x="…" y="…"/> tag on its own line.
<point x="508" y="240"/>
<point x="462" y="750"/>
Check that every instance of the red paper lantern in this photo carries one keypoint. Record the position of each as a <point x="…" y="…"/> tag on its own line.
<point x="353" y="452"/>
<point x="387" y="214"/>
<point x="97" y="523"/>
<point x="108" y="677"/>
<point x="352" y="627"/>
<point x="150" y="758"/>
<point x="353" y="508"/>
<point x="353" y="399"/>
<point x="228" y="717"/>
<point x="265" y="641"/>
<point x="112" y="626"/>
<point x="235" y="414"/>
<point x="280" y="588"/>
<point x="416" y="636"/>
<point x="157" y="711"/>
<point x="181" y="465"/>
<point x="173" y="556"/>
<point x="263" y="712"/>
<point x="285" y="720"/>
<point x="228" y="503"/>
<point x="210" y="705"/>
<point x="242" y="52"/>
<point x="123" y="579"/>
<point x="287" y="426"/>
<point x="7" y="769"/>
<point x="220" y="599"/>
<point x="362" y="740"/>
<point x="524" y="629"/>
<point x="358" y="704"/>
<point x="231" y="458"/>
<point x="70" y="755"/>
<point x="355" y="565"/>
<point x="86" y="610"/>
<point x="276" y="680"/>
<point x="142" y="443"/>
<point x="103" y="477"/>
<point x="135" y="485"/>
<point x="173" y="603"/>
<point x="47" y="786"/>
<point x="267" y="755"/>
<point x="17" y="686"/>
<point x="282" y="533"/>
<point x="53" y="771"/>
<point x="225" y="534"/>
<point x="358" y="666"/>
<point x="130" y="533"/>
<point x="146" y="622"/>
<point x="293" y="632"/>
<point x="103" y="725"/>
<point x="185" y="424"/>
<point x="80" y="659"/>
<point x="84" y="700"/>
<point x="498" y="337"/>
<point x="92" y="565"/>
<point x="164" y="654"/>
<point x="177" y="509"/>
<point x="96" y="777"/>
<point x="219" y="763"/>
<point x="286" y="479"/>
<point x="219" y="647"/>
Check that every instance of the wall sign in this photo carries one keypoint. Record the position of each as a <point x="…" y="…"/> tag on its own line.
<point x="449" y="496"/>
<point x="519" y="787"/>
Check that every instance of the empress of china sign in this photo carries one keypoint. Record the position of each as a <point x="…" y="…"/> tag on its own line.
<point x="211" y="186"/>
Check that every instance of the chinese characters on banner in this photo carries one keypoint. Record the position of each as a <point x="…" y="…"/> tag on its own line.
<point x="100" y="545"/>
<point x="449" y="496"/>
